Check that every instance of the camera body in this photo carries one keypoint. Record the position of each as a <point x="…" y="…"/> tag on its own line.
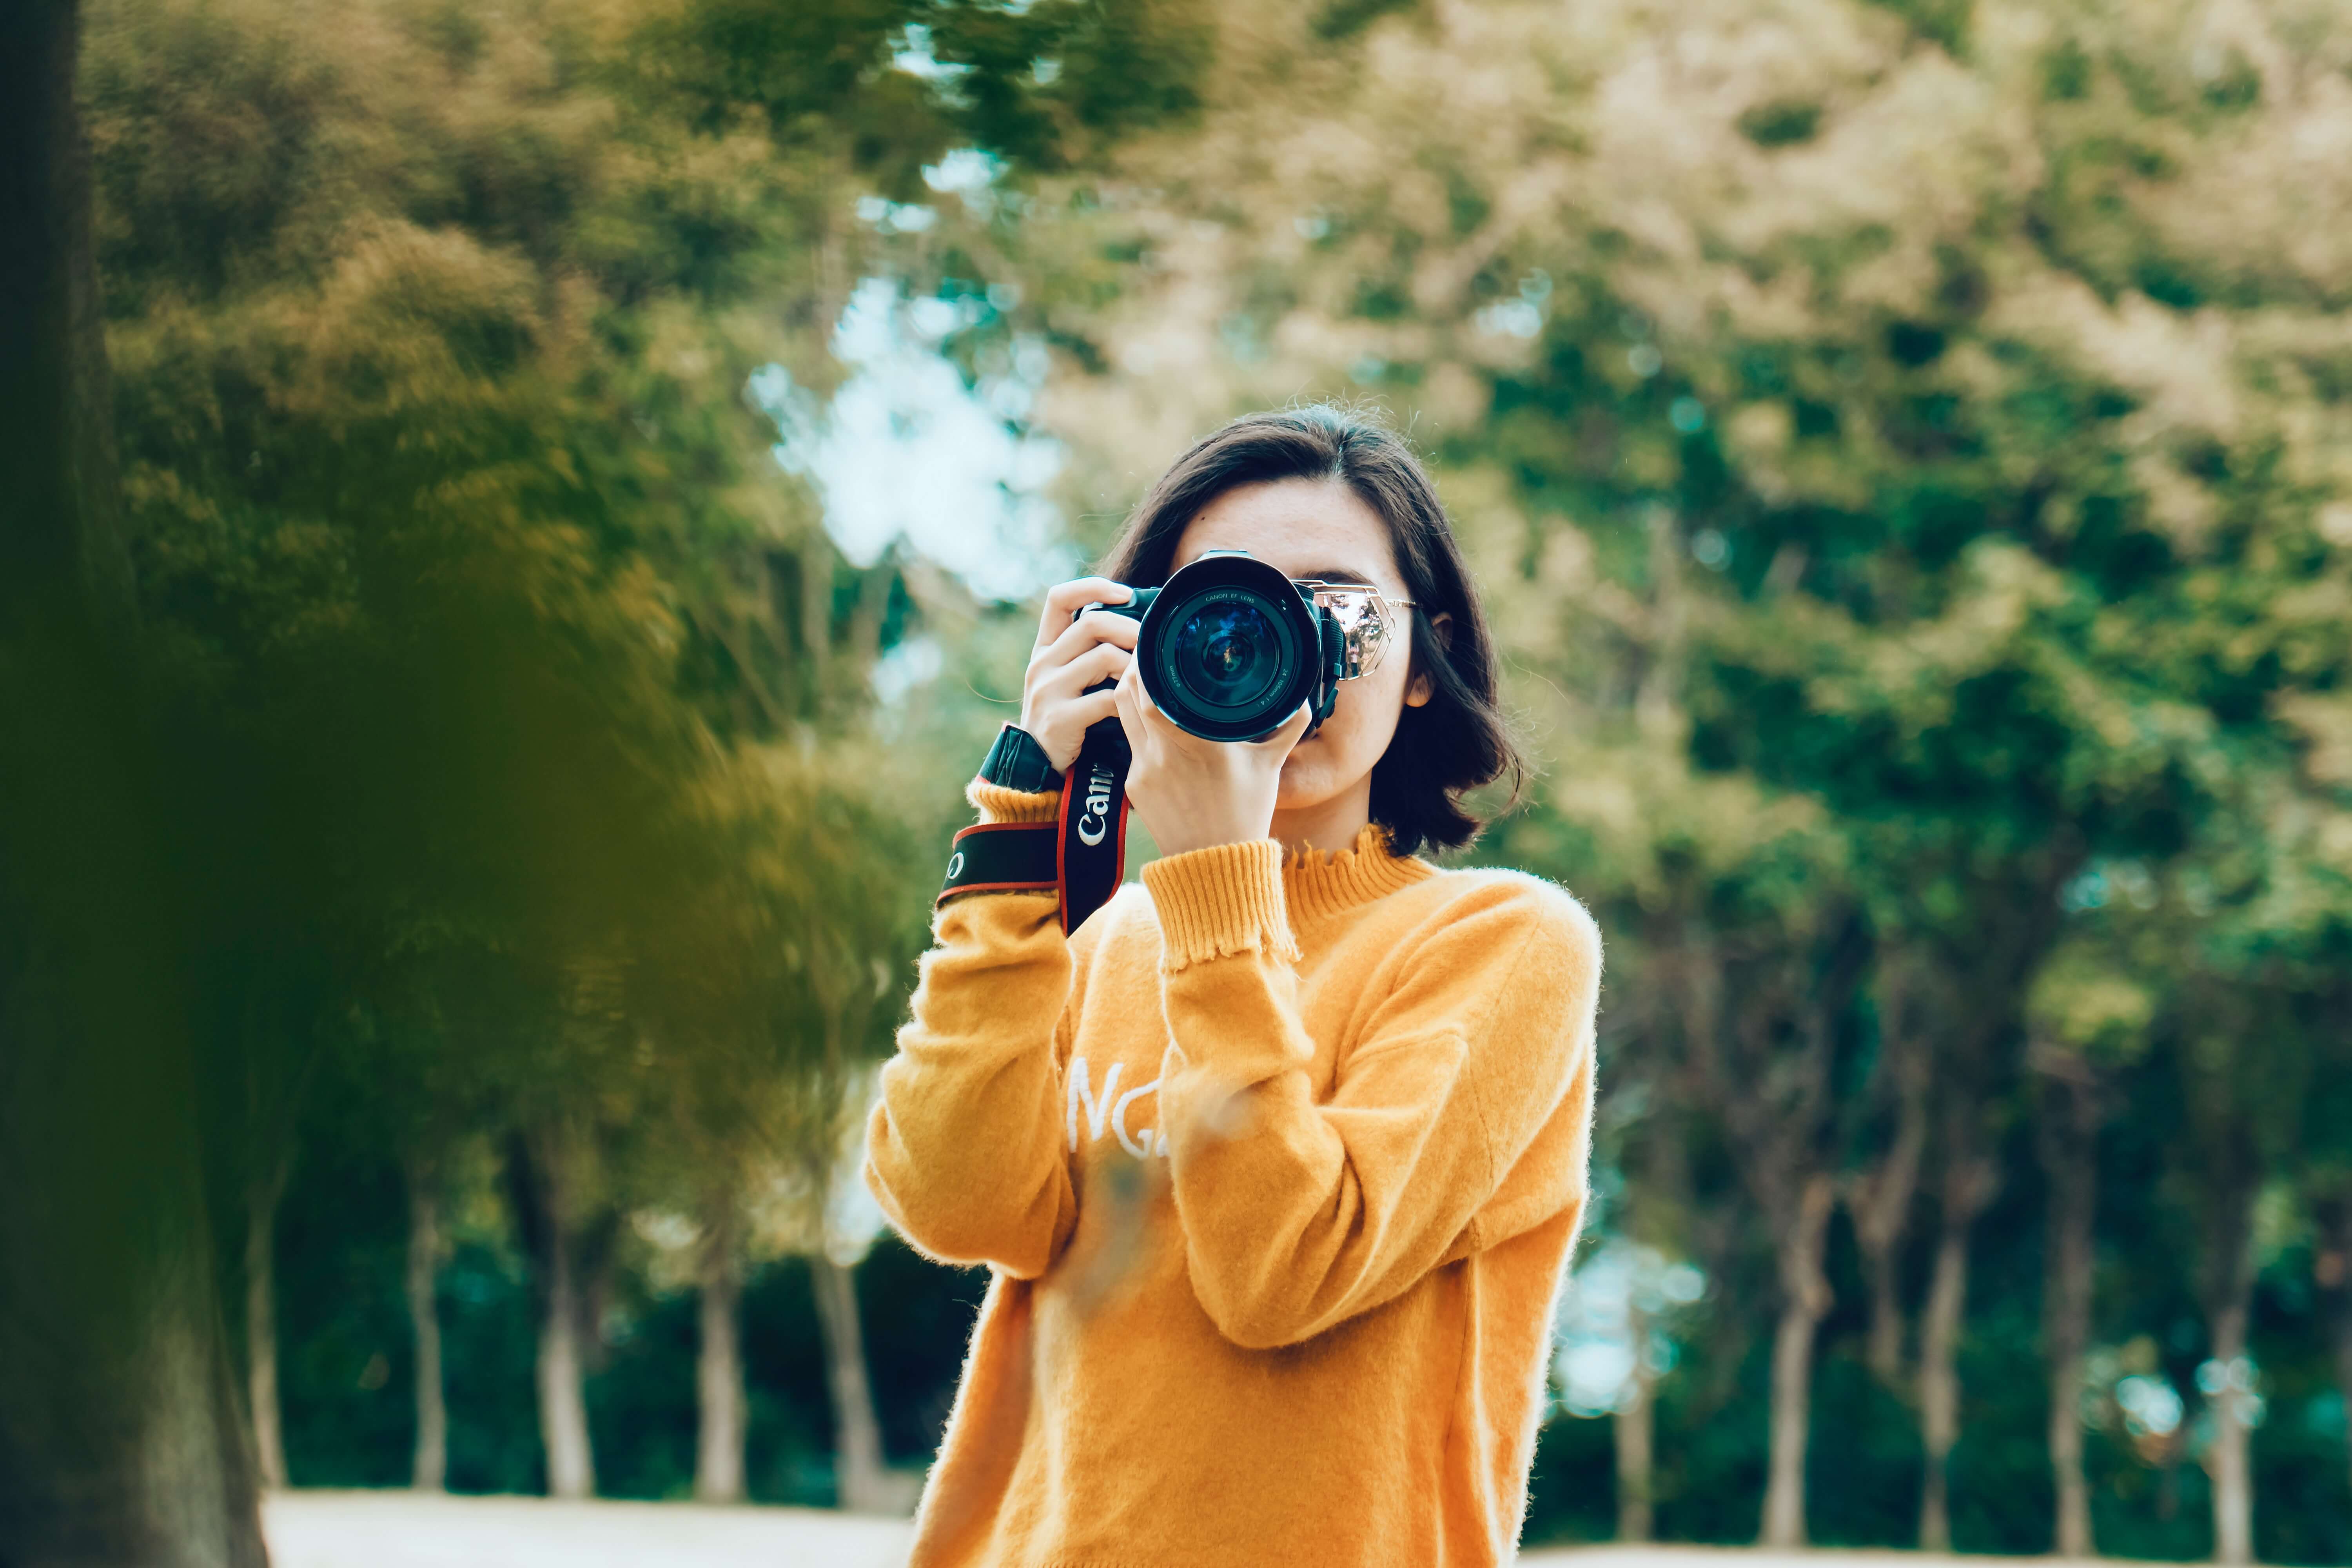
<point x="1230" y="647"/>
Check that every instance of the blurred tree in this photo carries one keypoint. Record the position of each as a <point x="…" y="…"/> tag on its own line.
<point x="448" y="520"/>
<point x="119" y="1434"/>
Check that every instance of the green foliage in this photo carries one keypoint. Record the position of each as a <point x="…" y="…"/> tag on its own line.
<point x="1904" y="474"/>
<point x="1052" y="83"/>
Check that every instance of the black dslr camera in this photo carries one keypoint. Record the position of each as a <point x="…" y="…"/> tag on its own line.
<point x="1230" y="647"/>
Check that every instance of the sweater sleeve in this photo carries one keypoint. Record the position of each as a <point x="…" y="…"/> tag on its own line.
<point x="963" y="1148"/>
<point x="1299" y="1215"/>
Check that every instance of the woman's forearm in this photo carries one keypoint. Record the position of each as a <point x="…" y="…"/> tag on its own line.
<point x="964" y="1149"/>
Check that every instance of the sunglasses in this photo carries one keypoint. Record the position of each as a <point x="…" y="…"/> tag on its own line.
<point x="1369" y="620"/>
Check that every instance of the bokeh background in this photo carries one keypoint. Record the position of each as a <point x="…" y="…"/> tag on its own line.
<point x="588" y="467"/>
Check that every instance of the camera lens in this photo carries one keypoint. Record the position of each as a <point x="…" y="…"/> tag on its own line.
<point x="1227" y="652"/>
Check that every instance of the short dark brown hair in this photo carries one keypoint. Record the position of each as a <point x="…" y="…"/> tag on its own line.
<point x="1454" y="743"/>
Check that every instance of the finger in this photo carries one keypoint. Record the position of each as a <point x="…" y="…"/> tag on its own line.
<point x="1104" y="661"/>
<point x="1124" y="630"/>
<point x="1065" y="600"/>
<point x="1088" y="630"/>
<point x="1092" y="709"/>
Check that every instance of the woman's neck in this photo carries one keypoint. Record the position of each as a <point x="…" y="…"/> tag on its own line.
<point x="1329" y="824"/>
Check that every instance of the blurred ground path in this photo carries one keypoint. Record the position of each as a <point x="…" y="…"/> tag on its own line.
<point x="403" y="1530"/>
<point x="400" y="1529"/>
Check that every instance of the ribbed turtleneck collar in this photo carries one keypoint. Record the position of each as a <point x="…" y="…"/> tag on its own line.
<point x="1318" y="884"/>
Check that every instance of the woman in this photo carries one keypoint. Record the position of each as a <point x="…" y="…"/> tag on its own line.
<point x="1276" y="1162"/>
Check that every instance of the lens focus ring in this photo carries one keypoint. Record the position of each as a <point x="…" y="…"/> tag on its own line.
<point x="1229" y="648"/>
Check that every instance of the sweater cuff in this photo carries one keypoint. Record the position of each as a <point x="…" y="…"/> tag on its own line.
<point x="996" y="804"/>
<point x="1227" y="898"/>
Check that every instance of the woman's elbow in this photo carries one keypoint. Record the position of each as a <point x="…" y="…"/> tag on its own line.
<point x="967" y="1225"/>
<point x="1257" y="1312"/>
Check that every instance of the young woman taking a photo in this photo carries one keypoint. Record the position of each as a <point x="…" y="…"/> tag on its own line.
<point x="1277" y="1160"/>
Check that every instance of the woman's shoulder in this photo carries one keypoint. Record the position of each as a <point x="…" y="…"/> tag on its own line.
<point x="1499" y="902"/>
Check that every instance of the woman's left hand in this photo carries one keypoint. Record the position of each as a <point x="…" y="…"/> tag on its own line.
<point x="1194" y="792"/>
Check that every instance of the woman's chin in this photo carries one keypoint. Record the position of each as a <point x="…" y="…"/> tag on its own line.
<point x="1304" y="787"/>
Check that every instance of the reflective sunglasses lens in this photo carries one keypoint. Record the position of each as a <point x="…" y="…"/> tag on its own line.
<point x="1364" y="625"/>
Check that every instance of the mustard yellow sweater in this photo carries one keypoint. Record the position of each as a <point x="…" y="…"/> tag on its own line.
<point x="1277" y="1165"/>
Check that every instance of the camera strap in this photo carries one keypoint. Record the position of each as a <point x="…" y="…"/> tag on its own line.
<point x="1081" y="855"/>
<point x="1090" y="848"/>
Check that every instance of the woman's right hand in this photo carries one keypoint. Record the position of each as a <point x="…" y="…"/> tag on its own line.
<point x="1076" y="650"/>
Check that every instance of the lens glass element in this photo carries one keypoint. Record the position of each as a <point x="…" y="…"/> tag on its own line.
<point x="1227" y="652"/>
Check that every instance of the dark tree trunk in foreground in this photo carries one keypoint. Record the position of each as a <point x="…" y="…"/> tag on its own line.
<point x="2334" y="1280"/>
<point x="429" y="1471"/>
<point x="861" y="1482"/>
<point x="261" y="1329"/>
<point x="119" y="1437"/>
<point x="2343" y="1374"/>
<point x="719" y="1367"/>
<point x="2068" y="1134"/>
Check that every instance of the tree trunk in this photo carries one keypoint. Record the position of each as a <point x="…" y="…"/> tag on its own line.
<point x="1940" y="1378"/>
<point x="545" y="1202"/>
<point x="1883" y="1348"/>
<point x="2335" y="1280"/>
<point x="2343" y="1374"/>
<point x="719" y="1370"/>
<point x="861" y="1484"/>
<point x="429" y="1472"/>
<point x="2230" y="1269"/>
<point x="261" y="1330"/>
<point x="1939" y="1384"/>
<point x="2067" y="1132"/>
<point x="2229" y="1460"/>
<point x="1880" y="1199"/>
<point x="1805" y="1301"/>
<point x="1636" y="1428"/>
<point x="121" y="1438"/>
<point x="563" y="1403"/>
<point x="1968" y="1181"/>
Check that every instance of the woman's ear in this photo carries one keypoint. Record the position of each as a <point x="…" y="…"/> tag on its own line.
<point x="1418" y="691"/>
